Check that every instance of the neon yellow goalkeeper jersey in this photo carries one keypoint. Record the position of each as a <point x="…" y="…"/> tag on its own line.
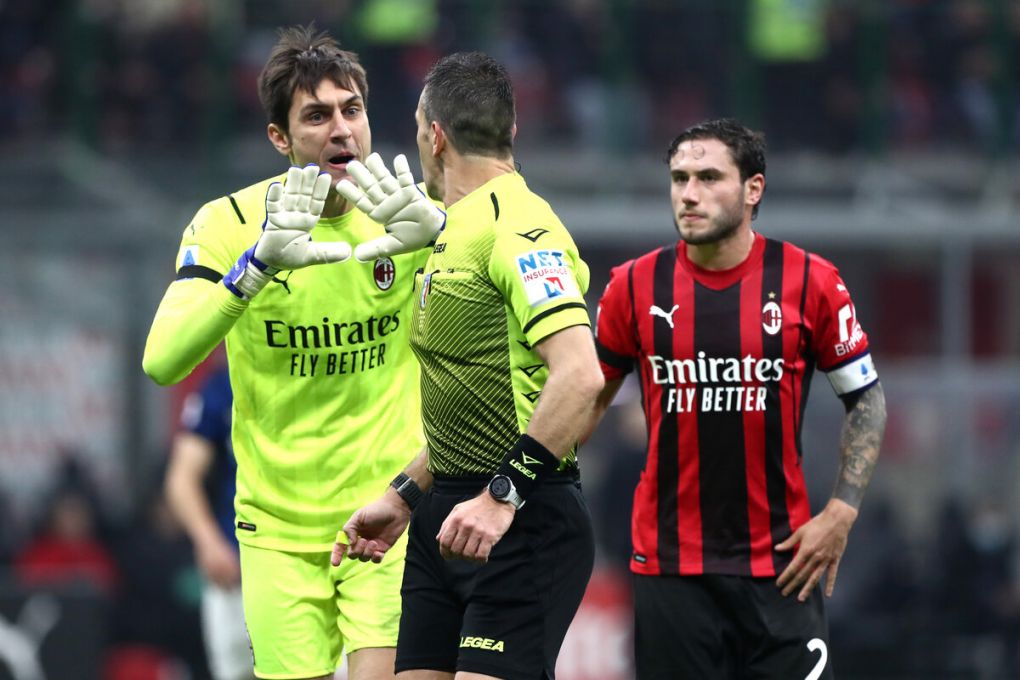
<point x="326" y="388"/>
<point x="503" y="275"/>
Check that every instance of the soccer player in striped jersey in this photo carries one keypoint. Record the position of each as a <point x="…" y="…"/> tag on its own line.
<point x="725" y="329"/>
<point x="325" y="386"/>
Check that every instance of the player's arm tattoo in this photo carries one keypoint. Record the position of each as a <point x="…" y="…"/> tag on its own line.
<point x="860" y="440"/>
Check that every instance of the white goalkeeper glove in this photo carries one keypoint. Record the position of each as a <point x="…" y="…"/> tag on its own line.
<point x="292" y="210"/>
<point x="411" y="220"/>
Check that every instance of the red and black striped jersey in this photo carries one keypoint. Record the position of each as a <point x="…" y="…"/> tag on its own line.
<point x="725" y="360"/>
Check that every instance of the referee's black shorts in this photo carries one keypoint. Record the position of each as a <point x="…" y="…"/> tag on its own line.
<point x="508" y="617"/>
<point x="727" y="627"/>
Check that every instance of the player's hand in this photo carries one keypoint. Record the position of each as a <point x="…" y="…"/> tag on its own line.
<point x="292" y="210"/>
<point x="473" y="527"/>
<point x="372" y="530"/>
<point x="821" y="542"/>
<point x="411" y="220"/>
<point x="218" y="562"/>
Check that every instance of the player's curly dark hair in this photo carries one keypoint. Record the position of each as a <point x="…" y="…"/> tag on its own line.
<point x="470" y="95"/>
<point x="300" y="60"/>
<point x="747" y="147"/>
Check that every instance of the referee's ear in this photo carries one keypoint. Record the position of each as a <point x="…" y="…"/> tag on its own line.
<point x="439" y="140"/>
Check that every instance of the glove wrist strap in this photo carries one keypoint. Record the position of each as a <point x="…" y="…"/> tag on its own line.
<point x="248" y="283"/>
<point x="263" y="267"/>
<point x="248" y="276"/>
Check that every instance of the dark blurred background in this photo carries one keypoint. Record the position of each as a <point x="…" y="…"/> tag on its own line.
<point x="894" y="138"/>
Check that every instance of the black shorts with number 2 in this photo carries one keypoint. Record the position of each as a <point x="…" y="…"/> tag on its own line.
<point x="729" y="628"/>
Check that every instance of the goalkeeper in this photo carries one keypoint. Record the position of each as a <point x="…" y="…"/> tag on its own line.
<point x="326" y="407"/>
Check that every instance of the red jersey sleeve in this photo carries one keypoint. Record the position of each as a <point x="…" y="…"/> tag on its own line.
<point x="615" y="330"/>
<point x="837" y="340"/>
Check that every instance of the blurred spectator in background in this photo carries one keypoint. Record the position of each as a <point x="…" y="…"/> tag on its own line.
<point x="67" y="550"/>
<point x="621" y="440"/>
<point x="842" y="96"/>
<point x="973" y="589"/>
<point x="200" y="485"/>
<point x="28" y="64"/>
<point x="788" y="41"/>
<point x="161" y="589"/>
<point x="879" y="582"/>
<point x="973" y="70"/>
<point x="822" y="74"/>
<point x="394" y="39"/>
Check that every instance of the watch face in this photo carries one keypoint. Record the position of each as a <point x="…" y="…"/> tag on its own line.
<point x="499" y="487"/>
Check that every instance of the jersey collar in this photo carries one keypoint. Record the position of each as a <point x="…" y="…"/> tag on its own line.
<point x="719" y="279"/>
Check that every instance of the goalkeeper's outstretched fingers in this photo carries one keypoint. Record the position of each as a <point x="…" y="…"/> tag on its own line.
<point x="410" y="219"/>
<point x="292" y="211"/>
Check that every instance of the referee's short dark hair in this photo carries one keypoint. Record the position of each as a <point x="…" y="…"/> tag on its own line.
<point x="470" y="95"/>
<point x="747" y="147"/>
<point x="300" y="60"/>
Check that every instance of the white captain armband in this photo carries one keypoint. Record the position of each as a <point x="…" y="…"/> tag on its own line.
<point x="853" y="376"/>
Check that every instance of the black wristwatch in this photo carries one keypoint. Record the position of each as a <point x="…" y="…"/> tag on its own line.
<point x="408" y="489"/>
<point x="503" y="490"/>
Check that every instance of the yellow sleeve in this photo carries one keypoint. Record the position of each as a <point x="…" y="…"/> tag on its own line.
<point x="193" y="317"/>
<point x="542" y="283"/>
<point x="195" y="314"/>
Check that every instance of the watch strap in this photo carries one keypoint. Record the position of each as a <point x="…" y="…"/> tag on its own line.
<point x="407" y="489"/>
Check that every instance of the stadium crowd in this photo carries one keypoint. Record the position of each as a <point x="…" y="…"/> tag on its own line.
<point x="906" y="74"/>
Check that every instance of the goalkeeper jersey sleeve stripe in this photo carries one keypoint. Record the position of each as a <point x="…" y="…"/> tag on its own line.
<point x="197" y="271"/>
<point x="237" y="210"/>
<point x="184" y="330"/>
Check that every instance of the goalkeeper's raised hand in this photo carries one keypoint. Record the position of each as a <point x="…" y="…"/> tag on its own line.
<point x="411" y="220"/>
<point x="292" y="209"/>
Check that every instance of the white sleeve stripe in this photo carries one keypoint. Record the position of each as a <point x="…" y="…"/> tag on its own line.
<point x="853" y="376"/>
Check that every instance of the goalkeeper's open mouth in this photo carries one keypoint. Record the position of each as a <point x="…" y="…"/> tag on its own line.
<point x="340" y="161"/>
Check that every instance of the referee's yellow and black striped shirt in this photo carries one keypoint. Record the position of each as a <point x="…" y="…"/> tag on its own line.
<point x="503" y="275"/>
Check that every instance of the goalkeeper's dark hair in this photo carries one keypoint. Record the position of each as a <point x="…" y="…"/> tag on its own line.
<point x="747" y="147"/>
<point x="300" y="60"/>
<point x="470" y="95"/>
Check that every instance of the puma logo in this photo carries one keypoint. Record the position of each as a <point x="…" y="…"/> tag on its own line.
<point x="656" y="310"/>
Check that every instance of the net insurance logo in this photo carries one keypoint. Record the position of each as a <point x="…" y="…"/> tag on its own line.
<point x="546" y="275"/>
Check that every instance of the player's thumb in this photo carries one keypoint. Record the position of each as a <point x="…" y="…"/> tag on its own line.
<point x="339" y="548"/>
<point x="370" y="250"/>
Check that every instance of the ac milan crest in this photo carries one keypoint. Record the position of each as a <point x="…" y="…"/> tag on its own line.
<point x="384" y="273"/>
<point x="771" y="318"/>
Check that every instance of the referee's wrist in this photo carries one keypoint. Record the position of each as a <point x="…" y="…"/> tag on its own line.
<point x="526" y="464"/>
<point x="407" y="489"/>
